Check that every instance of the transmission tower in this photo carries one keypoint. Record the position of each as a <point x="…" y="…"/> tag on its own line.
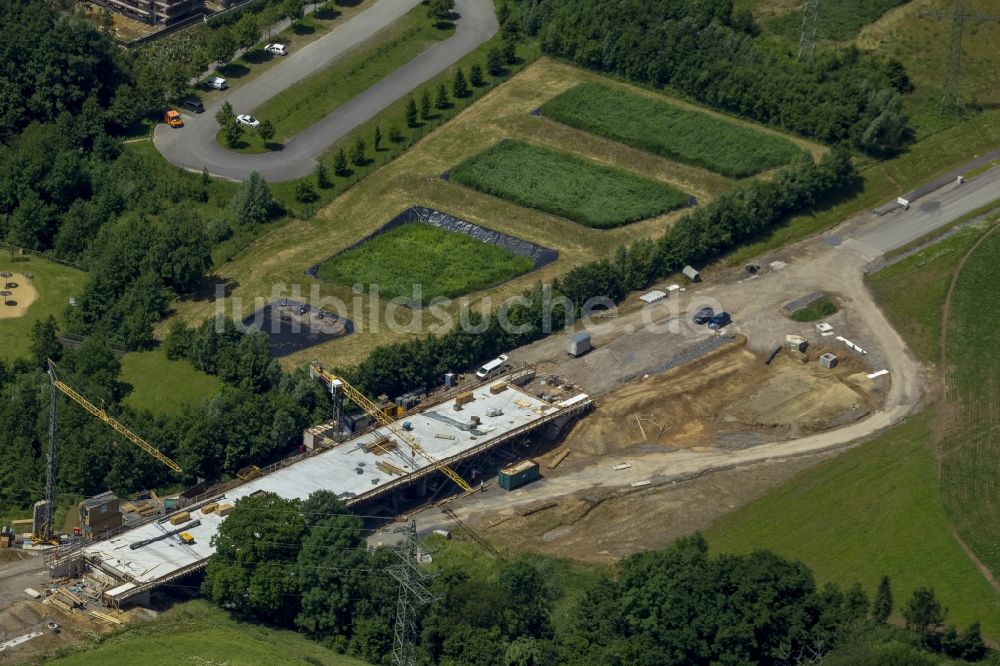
<point x="807" y="38"/>
<point x="951" y="100"/>
<point x="413" y="592"/>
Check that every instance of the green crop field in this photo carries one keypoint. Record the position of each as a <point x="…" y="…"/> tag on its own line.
<point x="198" y="633"/>
<point x="443" y="263"/>
<point x="652" y="124"/>
<point x="912" y="291"/>
<point x="562" y="184"/>
<point x="55" y="284"/>
<point x="307" y="102"/>
<point x="163" y="386"/>
<point x="970" y="421"/>
<point x="873" y="511"/>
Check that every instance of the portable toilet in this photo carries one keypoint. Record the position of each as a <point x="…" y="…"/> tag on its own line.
<point x="578" y="344"/>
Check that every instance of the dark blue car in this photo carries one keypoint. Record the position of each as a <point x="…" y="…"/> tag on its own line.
<point x="720" y="320"/>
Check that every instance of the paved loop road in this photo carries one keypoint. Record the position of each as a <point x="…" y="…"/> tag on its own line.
<point x="194" y="146"/>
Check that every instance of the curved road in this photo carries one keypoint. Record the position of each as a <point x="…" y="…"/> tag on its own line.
<point x="194" y="147"/>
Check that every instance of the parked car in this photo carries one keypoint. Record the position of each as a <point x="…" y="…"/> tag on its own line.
<point x="720" y="320"/>
<point x="493" y="367"/>
<point x="247" y="121"/>
<point x="193" y="105"/>
<point x="703" y="316"/>
<point x="173" y="118"/>
<point x="216" y="83"/>
<point x="276" y="49"/>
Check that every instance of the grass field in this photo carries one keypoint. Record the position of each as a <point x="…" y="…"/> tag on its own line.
<point x="970" y="420"/>
<point x="196" y="632"/>
<point x="444" y="263"/>
<point x="912" y="291"/>
<point x="312" y="99"/>
<point x="163" y="386"/>
<point x="656" y="125"/>
<point x="565" y="185"/>
<point x="873" y="511"/>
<point x="55" y="284"/>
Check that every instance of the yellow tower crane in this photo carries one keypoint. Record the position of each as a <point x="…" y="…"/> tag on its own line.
<point x="336" y="383"/>
<point x="58" y="385"/>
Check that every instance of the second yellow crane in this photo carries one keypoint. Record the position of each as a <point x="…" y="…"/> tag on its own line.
<point x="373" y="410"/>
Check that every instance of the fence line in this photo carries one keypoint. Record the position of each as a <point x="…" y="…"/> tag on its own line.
<point x="41" y="255"/>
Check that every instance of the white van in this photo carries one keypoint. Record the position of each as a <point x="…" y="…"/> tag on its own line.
<point x="493" y="367"/>
<point x="216" y="83"/>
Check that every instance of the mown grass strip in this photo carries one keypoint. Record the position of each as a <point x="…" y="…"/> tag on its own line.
<point x="443" y="263"/>
<point x="700" y="139"/>
<point x="562" y="184"/>
<point x="307" y="102"/>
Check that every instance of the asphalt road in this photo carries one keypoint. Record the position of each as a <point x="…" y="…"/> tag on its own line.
<point x="938" y="208"/>
<point x="194" y="146"/>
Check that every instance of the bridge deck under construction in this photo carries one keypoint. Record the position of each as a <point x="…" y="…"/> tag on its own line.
<point x="359" y="470"/>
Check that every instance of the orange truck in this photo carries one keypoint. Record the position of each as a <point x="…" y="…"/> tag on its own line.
<point x="173" y="118"/>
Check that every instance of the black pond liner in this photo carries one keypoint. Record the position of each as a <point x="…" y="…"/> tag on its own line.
<point x="289" y="334"/>
<point x="539" y="255"/>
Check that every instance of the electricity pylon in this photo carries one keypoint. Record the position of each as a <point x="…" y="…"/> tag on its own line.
<point x="413" y="592"/>
<point x="951" y="99"/>
<point x="807" y="38"/>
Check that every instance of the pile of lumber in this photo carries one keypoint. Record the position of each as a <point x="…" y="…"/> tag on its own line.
<point x="110" y="619"/>
<point x="389" y="468"/>
<point x="381" y="447"/>
<point x="64" y="599"/>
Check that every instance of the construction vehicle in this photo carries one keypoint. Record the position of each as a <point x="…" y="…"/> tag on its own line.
<point x="44" y="534"/>
<point x="173" y="118"/>
<point x="340" y="388"/>
<point x="186" y="538"/>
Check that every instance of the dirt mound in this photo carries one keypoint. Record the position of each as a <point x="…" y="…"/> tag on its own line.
<point x="725" y="400"/>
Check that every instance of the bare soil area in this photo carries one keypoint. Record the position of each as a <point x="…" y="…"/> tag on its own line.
<point x="606" y="525"/>
<point x="16" y="294"/>
<point x="728" y="398"/>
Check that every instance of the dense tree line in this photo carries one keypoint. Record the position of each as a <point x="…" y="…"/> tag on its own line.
<point x="707" y="51"/>
<point x="303" y="564"/>
<point x="738" y="215"/>
<point x="69" y="188"/>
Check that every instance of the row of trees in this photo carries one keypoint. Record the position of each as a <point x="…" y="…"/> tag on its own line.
<point x="742" y="213"/>
<point x="706" y="50"/>
<point x="303" y="564"/>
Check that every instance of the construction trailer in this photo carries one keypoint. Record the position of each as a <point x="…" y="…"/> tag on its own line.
<point x="518" y="474"/>
<point x="579" y="344"/>
<point x="156" y="12"/>
<point x="100" y="514"/>
<point x="691" y="273"/>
